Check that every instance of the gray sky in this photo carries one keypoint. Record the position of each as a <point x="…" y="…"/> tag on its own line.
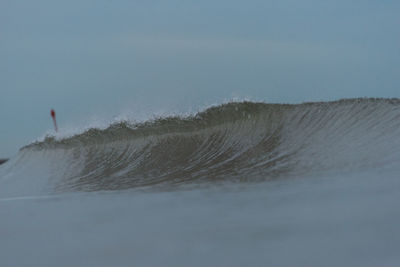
<point x="94" y="60"/>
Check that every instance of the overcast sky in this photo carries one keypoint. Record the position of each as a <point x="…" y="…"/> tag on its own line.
<point x="99" y="59"/>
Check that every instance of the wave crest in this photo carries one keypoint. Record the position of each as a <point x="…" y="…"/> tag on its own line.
<point x="244" y="142"/>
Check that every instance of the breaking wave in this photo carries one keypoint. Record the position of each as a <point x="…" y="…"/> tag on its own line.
<point x="235" y="142"/>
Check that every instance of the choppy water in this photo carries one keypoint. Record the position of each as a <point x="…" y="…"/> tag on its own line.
<point x="237" y="184"/>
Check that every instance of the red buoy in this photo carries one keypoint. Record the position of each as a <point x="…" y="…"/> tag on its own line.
<point x="53" y="115"/>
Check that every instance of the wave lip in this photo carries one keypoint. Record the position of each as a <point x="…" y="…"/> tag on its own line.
<point x="236" y="142"/>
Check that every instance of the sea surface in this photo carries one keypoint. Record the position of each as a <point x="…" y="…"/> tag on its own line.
<point x="237" y="184"/>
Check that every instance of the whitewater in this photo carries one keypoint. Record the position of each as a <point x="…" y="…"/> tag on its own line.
<point x="241" y="183"/>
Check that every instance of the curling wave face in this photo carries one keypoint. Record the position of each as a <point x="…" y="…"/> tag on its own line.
<point x="235" y="142"/>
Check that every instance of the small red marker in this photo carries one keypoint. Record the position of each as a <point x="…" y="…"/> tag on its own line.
<point x="53" y="115"/>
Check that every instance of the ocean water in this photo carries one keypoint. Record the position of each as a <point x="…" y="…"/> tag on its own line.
<point x="239" y="184"/>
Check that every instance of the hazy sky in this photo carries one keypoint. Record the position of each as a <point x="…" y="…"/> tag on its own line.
<point x="100" y="59"/>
